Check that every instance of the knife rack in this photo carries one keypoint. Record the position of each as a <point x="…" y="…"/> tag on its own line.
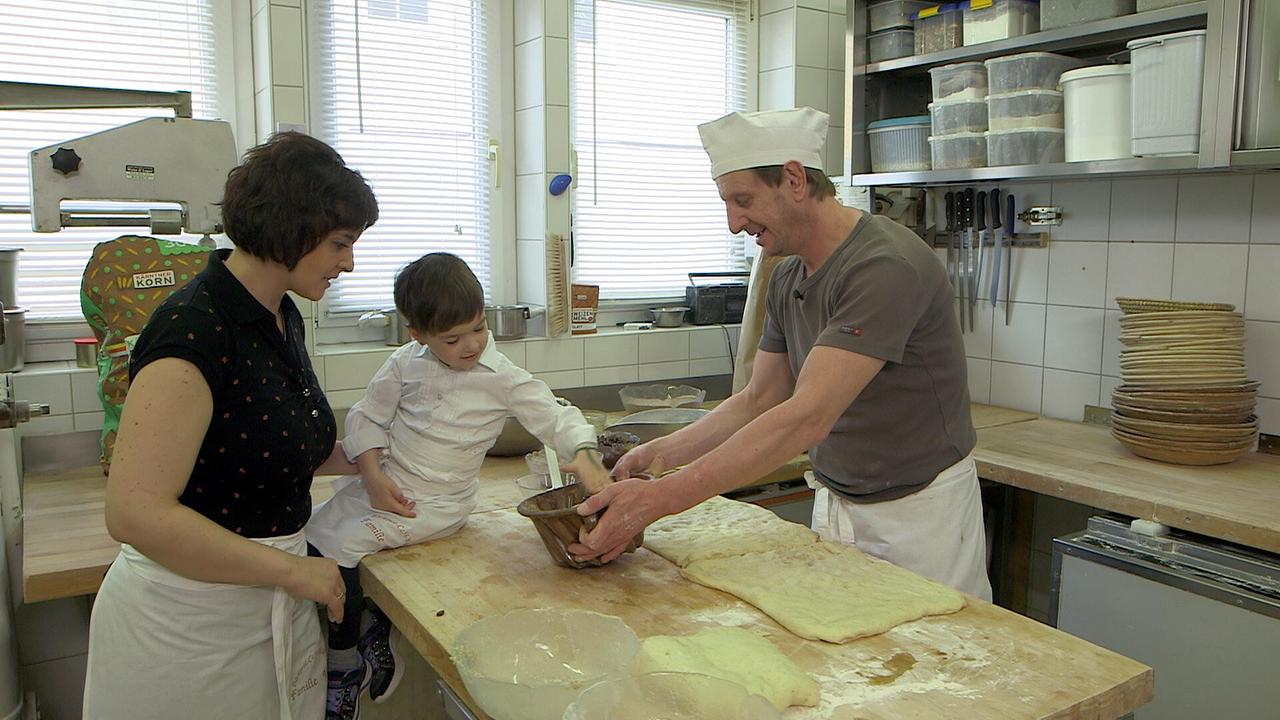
<point x="1020" y="240"/>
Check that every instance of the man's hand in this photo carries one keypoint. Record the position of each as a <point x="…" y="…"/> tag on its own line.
<point x="640" y="459"/>
<point x="590" y="473"/>
<point x="385" y="495"/>
<point x="632" y="504"/>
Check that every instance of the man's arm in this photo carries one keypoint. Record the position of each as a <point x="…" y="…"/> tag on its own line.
<point x="771" y="383"/>
<point x="828" y="384"/>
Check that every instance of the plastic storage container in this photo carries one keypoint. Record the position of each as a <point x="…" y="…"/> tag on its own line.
<point x="890" y="44"/>
<point x="962" y="81"/>
<point x="900" y="144"/>
<point x="999" y="19"/>
<point x="1025" y="109"/>
<point x="1026" y="146"/>
<point x="1168" y="78"/>
<point x="1061" y="13"/>
<point x="890" y="14"/>
<point x="1027" y="71"/>
<point x="961" y="150"/>
<point x="940" y="27"/>
<point x="1096" y="111"/>
<point x="955" y="116"/>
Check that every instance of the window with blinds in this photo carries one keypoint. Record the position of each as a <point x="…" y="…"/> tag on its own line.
<point x="646" y="73"/>
<point x="400" y="89"/>
<point x="134" y="44"/>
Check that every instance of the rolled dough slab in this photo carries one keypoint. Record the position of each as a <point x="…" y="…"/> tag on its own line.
<point x="721" y="527"/>
<point x="826" y="591"/>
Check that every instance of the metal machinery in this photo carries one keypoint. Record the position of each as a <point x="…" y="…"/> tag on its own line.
<point x="154" y="161"/>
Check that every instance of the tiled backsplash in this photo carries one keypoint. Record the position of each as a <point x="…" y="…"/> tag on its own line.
<point x="607" y="358"/>
<point x="1212" y="237"/>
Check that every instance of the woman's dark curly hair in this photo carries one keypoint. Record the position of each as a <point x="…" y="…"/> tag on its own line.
<point x="288" y="194"/>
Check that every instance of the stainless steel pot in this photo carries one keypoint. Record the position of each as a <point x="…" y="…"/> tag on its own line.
<point x="507" y="322"/>
<point x="14" y="334"/>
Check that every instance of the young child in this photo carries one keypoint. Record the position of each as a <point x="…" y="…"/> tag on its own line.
<point x="418" y="437"/>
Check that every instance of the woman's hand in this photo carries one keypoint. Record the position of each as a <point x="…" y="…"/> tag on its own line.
<point x="318" y="579"/>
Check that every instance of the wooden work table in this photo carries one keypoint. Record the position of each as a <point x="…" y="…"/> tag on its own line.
<point x="982" y="662"/>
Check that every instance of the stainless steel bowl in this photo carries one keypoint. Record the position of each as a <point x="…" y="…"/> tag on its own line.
<point x="507" y="322"/>
<point x="668" y="316"/>
<point x="514" y="440"/>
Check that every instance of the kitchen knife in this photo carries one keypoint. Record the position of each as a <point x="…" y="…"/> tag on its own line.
<point x="950" y="211"/>
<point x="969" y="252"/>
<point x="980" y="224"/>
<point x="996" y="229"/>
<point x="1009" y="215"/>
<point x="962" y="272"/>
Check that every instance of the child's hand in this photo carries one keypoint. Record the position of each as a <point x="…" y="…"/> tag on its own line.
<point x="591" y="474"/>
<point x="385" y="495"/>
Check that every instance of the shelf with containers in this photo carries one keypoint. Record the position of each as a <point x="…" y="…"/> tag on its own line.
<point x="1025" y="123"/>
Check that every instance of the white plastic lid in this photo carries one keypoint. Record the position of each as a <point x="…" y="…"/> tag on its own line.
<point x="1014" y="131"/>
<point x="1095" y="71"/>
<point x="957" y="66"/>
<point x="1024" y="56"/>
<point x="1024" y="93"/>
<point x="957" y="136"/>
<point x="962" y="101"/>
<point x="1143" y="42"/>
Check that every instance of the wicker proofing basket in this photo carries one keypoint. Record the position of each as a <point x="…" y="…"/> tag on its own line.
<point x="1144" y="305"/>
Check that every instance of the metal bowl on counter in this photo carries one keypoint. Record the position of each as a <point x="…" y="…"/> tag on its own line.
<point x="668" y="317"/>
<point x="507" y="322"/>
<point x="514" y="440"/>
<point x="649" y="424"/>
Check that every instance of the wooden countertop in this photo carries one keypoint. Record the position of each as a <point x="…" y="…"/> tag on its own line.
<point x="981" y="662"/>
<point x="1237" y="502"/>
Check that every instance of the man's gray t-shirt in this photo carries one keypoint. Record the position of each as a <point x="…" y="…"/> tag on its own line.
<point x="884" y="294"/>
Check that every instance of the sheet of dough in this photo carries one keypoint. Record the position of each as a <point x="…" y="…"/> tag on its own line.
<point x="733" y="654"/>
<point x="721" y="527"/>
<point x="827" y="591"/>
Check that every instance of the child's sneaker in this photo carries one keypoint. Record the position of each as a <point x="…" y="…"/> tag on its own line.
<point x="385" y="667"/>
<point x="343" y="702"/>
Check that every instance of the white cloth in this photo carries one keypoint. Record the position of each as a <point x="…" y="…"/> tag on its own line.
<point x="164" y="646"/>
<point x="435" y="425"/>
<point x="937" y="532"/>
<point x="743" y="140"/>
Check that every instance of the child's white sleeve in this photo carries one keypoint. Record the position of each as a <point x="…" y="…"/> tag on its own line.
<point x="370" y="417"/>
<point x="562" y="427"/>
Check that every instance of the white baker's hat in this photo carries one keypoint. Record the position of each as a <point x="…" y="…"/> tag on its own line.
<point x="770" y="137"/>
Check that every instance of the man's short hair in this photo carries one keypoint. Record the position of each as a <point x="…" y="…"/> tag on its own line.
<point x="288" y="194"/>
<point x="820" y="185"/>
<point x="437" y="292"/>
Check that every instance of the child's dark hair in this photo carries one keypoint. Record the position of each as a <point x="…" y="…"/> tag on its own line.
<point x="437" y="292"/>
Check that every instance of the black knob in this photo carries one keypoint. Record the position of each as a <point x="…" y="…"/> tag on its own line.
<point x="65" y="160"/>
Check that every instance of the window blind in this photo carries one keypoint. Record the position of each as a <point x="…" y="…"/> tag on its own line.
<point x="645" y="74"/>
<point x="402" y="93"/>
<point x="134" y="44"/>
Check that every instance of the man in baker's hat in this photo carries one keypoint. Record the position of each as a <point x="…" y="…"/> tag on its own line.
<point x="861" y="362"/>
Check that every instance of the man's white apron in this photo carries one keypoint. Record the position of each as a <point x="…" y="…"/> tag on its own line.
<point x="937" y="532"/>
<point x="167" y="647"/>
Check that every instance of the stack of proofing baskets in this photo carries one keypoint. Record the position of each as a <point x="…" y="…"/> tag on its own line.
<point x="1186" y="397"/>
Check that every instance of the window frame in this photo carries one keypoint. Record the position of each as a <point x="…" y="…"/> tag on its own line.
<point x="338" y="327"/>
<point x="49" y="339"/>
<point x="636" y="308"/>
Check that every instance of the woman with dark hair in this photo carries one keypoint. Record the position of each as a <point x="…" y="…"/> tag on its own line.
<point x="208" y="611"/>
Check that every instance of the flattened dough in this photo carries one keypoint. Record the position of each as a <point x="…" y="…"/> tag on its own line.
<point x="721" y="527"/>
<point x="827" y="591"/>
<point x="733" y="654"/>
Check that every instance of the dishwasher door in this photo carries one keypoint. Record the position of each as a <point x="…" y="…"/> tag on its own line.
<point x="1205" y="616"/>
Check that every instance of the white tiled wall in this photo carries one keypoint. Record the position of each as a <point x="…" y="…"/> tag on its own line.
<point x="801" y="54"/>
<point x="1213" y="237"/>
